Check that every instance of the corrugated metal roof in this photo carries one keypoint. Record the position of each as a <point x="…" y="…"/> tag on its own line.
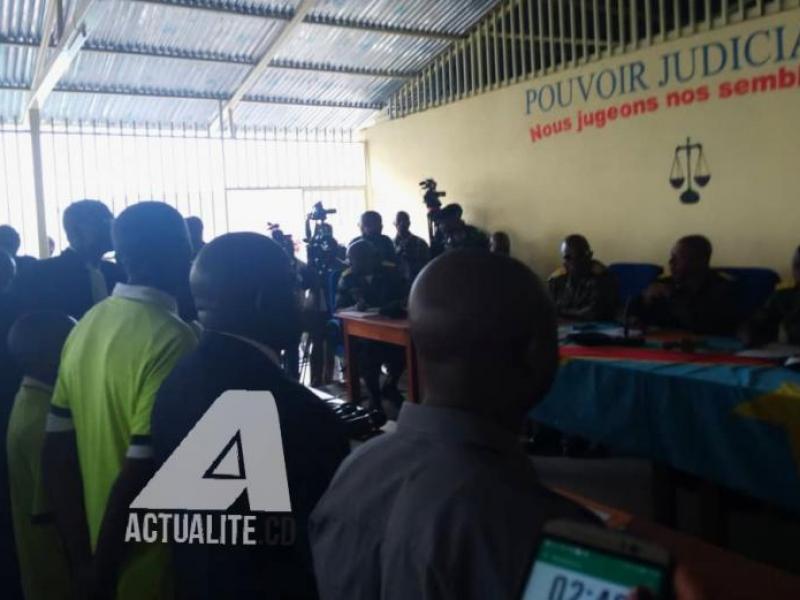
<point x="318" y="43"/>
<point x="213" y="44"/>
<point x="303" y="117"/>
<point x="144" y="25"/>
<point x="153" y="73"/>
<point x="328" y="87"/>
<point x="451" y="16"/>
<point x="73" y="106"/>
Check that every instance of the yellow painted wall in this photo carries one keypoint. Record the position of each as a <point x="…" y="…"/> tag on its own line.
<point x="610" y="184"/>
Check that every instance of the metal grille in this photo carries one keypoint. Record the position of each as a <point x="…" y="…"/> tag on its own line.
<point x="521" y="39"/>
<point x="186" y="167"/>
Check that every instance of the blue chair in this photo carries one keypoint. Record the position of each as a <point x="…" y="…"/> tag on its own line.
<point x="752" y="286"/>
<point x="633" y="278"/>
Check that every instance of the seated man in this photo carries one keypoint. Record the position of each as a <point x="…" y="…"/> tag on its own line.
<point x="35" y="342"/>
<point x="456" y="233"/>
<point x="78" y="278"/>
<point x="371" y="226"/>
<point x="248" y="316"/>
<point x="412" y="251"/>
<point x="98" y="453"/>
<point x="449" y="506"/>
<point x="368" y="283"/>
<point x="695" y="297"/>
<point x="779" y="319"/>
<point x="585" y="290"/>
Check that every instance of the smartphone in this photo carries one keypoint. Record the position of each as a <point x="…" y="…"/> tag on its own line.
<point x="583" y="562"/>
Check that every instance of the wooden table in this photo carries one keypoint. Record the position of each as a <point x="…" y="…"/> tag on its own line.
<point x="379" y="329"/>
<point x="720" y="574"/>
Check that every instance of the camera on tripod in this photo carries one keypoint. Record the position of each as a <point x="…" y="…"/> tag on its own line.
<point x="322" y="247"/>
<point x="431" y="195"/>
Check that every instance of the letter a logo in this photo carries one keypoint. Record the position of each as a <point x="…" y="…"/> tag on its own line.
<point x="235" y="447"/>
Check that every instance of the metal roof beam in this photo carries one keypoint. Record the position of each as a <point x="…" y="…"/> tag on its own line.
<point x="313" y="19"/>
<point x="72" y="38"/>
<point x="226" y="110"/>
<point x="190" y="95"/>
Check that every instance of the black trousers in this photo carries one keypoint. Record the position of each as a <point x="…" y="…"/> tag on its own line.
<point x="371" y="356"/>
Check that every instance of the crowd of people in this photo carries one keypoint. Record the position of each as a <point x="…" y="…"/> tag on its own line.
<point x="108" y="365"/>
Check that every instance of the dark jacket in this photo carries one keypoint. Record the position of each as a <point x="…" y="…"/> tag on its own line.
<point x="782" y="311"/>
<point x="412" y="254"/>
<point x="314" y="444"/>
<point x="384" y="245"/>
<point x="468" y="237"/>
<point x="708" y="308"/>
<point x="62" y="283"/>
<point x="385" y="288"/>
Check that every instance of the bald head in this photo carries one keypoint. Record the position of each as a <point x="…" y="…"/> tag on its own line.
<point x="9" y="239"/>
<point x="690" y="258"/>
<point x="576" y="255"/>
<point x="485" y="332"/>
<point x="8" y="269"/>
<point x="243" y="283"/>
<point x="35" y="342"/>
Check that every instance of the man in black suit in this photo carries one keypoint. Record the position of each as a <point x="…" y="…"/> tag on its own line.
<point x="249" y="315"/>
<point x="78" y="278"/>
<point x="10" y="242"/>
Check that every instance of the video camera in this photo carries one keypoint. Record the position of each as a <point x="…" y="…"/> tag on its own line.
<point x="431" y="195"/>
<point x="322" y="247"/>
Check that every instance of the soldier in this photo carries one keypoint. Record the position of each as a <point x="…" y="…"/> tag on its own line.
<point x="412" y="251"/>
<point x="695" y="297"/>
<point x="369" y="283"/>
<point x="584" y="289"/>
<point x="779" y="319"/>
<point x="456" y="233"/>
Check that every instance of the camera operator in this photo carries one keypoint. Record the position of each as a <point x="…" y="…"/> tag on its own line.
<point x="370" y="283"/>
<point x="455" y="232"/>
<point x="371" y="226"/>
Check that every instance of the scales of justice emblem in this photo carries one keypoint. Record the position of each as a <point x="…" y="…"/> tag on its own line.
<point x="701" y="175"/>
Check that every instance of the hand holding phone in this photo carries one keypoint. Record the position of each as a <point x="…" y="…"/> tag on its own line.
<point x="584" y="562"/>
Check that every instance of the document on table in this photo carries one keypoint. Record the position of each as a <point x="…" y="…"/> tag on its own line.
<point x="775" y="351"/>
<point x="370" y="312"/>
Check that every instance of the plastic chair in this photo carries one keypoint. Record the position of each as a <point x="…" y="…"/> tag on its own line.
<point x="752" y="286"/>
<point x="633" y="278"/>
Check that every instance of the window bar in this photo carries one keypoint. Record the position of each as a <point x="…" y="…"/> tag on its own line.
<point x="596" y="33"/>
<point x="622" y="42"/>
<point x="633" y="13"/>
<point x="574" y="43"/>
<point x="473" y="48"/>
<point x="531" y="38"/>
<point x="584" y="33"/>
<point x="693" y="17"/>
<point x="760" y="7"/>
<point x="525" y="67"/>
<point x="562" y="58"/>
<point x="648" y="28"/>
<point x="496" y="78"/>
<point x="504" y="40"/>
<point x="724" y="14"/>
<point x="55" y="201"/>
<point x="662" y="20"/>
<point x="709" y="21"/>
<point x="542" y="49"/>
<point x="677" y="26"/>
<point x="19" y="180"/>
<point x="6" y="174"/>
<point x="483" y="55"/>
<point x="551" y="33"/>
<point x="458" y="57"/>
<point x="511" y="42"/>
<point x="451" y="80"/>
<point x="83" y="159"/>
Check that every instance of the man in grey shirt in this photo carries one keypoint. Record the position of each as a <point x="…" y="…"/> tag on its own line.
<point x="449" y="506"/>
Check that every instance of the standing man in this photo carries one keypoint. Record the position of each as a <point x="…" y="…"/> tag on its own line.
<point x="450" y="506"/>
<point x="10" y="242"/>
<point x="456" y="233"/>
<point x="585" y="289"/>
<point x="249" y="315"/>
<point x="695" y="297"/>
<point x="371" y="225"/>
<point x="98" y="454"/>
<point x="195" y="227"/>
<point x="412" y="251"/>
<point x="78" y="278"/>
